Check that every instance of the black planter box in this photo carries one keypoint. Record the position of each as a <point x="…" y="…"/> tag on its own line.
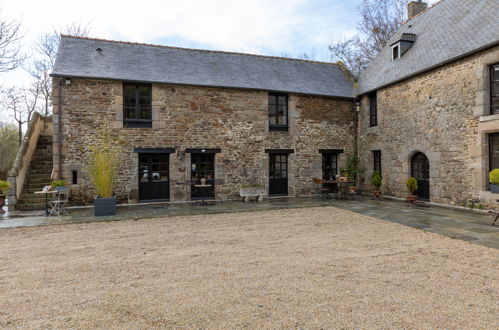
<point x="494" y="188"/>
<point x="105" y="206"/>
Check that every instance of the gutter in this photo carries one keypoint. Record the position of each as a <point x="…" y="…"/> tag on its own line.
<point x="59" y="129"/>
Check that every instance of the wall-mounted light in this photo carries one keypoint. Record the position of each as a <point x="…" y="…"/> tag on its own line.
<point x="67" y="81"/>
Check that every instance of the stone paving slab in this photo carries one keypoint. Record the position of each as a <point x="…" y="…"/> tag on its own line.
<point x="455" y="223"/>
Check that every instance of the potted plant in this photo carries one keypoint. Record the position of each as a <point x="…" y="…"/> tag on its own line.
<point x="4" y="188"/>
<point x="494" y="181"/>
<point x="102" y="165"/>
<point x="352" y="170"/>
<point x="57" y="184"/>
<point x="412" y="186"/>
<point x="376" y="181"/>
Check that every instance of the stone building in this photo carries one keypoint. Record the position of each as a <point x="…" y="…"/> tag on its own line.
<point x="429" y="103"/>
<point x="427" y="107"/>
<point x="183" y="114"/>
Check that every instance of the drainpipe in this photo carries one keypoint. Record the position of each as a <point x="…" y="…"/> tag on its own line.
<point x="59" y="128"/>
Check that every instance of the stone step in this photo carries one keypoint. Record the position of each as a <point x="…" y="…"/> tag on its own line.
<point x="32" y="199"/>
<point x="30" y="207"/>
<point x="40" y="181"/>
<point x="38" y="168"/>
<point x="42" y="162"/>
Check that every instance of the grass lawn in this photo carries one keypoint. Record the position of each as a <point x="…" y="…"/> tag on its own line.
<point x="307" y="268"/>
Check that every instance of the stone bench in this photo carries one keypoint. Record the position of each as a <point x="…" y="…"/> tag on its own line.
<point x="247" y="192"/>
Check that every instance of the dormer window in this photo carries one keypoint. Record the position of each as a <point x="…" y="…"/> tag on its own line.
<point x="395" y="51"/>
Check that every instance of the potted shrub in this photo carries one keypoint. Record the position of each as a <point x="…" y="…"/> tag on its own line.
<point x="352" y="170"/>
<point x="376" y="181"/>
<point x="412" y="186"/>
<point x="56" y="184"/>
<point x="494" y="181"/>
<point x="4" y="188"/>
<point x="102" y="165"/>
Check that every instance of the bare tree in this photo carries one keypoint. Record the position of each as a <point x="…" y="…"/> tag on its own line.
<point x="379" y="20"/>
<point x="8" y="148"/>
<point x="21" y="103"/>
<point x="46" y="49"/>
<point x="12" y="101"/>
<point x="11" y="56"/>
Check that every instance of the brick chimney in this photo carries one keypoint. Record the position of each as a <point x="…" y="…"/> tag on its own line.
<point x="415" y="8"/>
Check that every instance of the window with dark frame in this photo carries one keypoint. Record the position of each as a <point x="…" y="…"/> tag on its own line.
<point x="395" y="52"/>
<point x="494" y="89"/>
<point x="377" y="161"/>
<point x="278" y="166"/>
<point x="373" y="110"/>
<point x="278" y="112"/>
<point x="137" y="106"/>
<point x="493" y="151"/>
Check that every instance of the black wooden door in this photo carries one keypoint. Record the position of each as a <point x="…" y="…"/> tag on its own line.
<point x="420" y="170"/>
<point x="278" y="175"/>
<point x="202" y="166"/>
<point x="154" y="177"/>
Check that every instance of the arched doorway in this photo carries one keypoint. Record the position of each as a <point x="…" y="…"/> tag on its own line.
<point x="420" y="170"/>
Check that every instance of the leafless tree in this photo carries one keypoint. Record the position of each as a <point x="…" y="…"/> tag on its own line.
<point x="11" y="56"/>
<point x="46" y="50"/>
<point x="21" y="103"/>
<point x="379" y="20"/>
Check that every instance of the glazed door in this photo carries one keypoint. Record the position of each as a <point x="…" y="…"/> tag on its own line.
<point x="278" y="175"/>
<point x="202" y="166"/>
<point x="420" y="170"/>
<point x="154" y="177"/>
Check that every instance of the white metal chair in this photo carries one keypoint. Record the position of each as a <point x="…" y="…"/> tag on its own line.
<point x="58" y="205"/>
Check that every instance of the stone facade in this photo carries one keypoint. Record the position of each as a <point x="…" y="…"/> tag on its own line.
<point x="236" y="121"/>
<point x="444" y="114"/>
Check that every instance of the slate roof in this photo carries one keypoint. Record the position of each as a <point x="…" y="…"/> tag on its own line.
<point x="451" y="29"/>
<point x="78" y="57"/>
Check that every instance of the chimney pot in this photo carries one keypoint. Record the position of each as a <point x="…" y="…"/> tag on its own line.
<point x="415" y="8"/>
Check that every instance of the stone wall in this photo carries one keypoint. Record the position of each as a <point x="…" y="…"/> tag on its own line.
<point x="194" y="117"/>
<point x="442" y="113"/>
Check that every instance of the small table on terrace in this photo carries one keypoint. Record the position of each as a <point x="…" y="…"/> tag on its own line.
<point x="342" y="186"/>
<point x="46" y="192"/>
<point x="202" y="188"/>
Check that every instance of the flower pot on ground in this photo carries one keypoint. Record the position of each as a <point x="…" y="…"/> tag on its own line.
<point x="376" y="181"/>
<point x="4" y="188"/>
<point x="412" y="186"/>
<point x="103" y="164"/>
<point x="494" y="181"/>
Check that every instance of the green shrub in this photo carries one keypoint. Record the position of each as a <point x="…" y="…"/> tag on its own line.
<point x="4" y="186"/>
<point x="352" y="169"/>
<point x="376" y="179"/>
<point x="103" y="163"/>
<point x="58" y="183"/>
<point x="412" y="184"/>
<point x="494" y="176"/>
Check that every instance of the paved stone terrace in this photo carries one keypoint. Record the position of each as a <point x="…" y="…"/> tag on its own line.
<point x="459" y="224"/>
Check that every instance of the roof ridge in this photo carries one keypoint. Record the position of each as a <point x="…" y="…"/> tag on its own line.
<point x="199" y="50"/>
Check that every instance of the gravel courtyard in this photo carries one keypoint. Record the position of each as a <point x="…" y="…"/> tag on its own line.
<point x="299" y="268"/>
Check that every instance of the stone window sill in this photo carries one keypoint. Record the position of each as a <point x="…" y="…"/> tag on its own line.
<point x="488" y="118"/>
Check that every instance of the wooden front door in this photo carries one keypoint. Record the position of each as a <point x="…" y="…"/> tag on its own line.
<point x="202" y="166"/>
<point x="278" y="175"/>
<point x="154" y="177"/>
<point x="420" y="170"/>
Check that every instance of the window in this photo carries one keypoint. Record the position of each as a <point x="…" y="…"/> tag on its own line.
<point x="373" y="110"/>
<point x="278" y="112"/>
<point x="493" y="151"/>
<point x="494" y="89"/>
<point x="74" y="178"/>
<point x="395" y="52"/>
<point x="377" y="161"/>
<point x="329" y="166"/>
<point x="137" y="109"/>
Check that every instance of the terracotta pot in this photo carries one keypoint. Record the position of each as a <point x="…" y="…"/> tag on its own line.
<point x="352" y="189"/>
<point x="2" y="203"/>
<point x="411" y="198"/>
<point x="377" y="193"/>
